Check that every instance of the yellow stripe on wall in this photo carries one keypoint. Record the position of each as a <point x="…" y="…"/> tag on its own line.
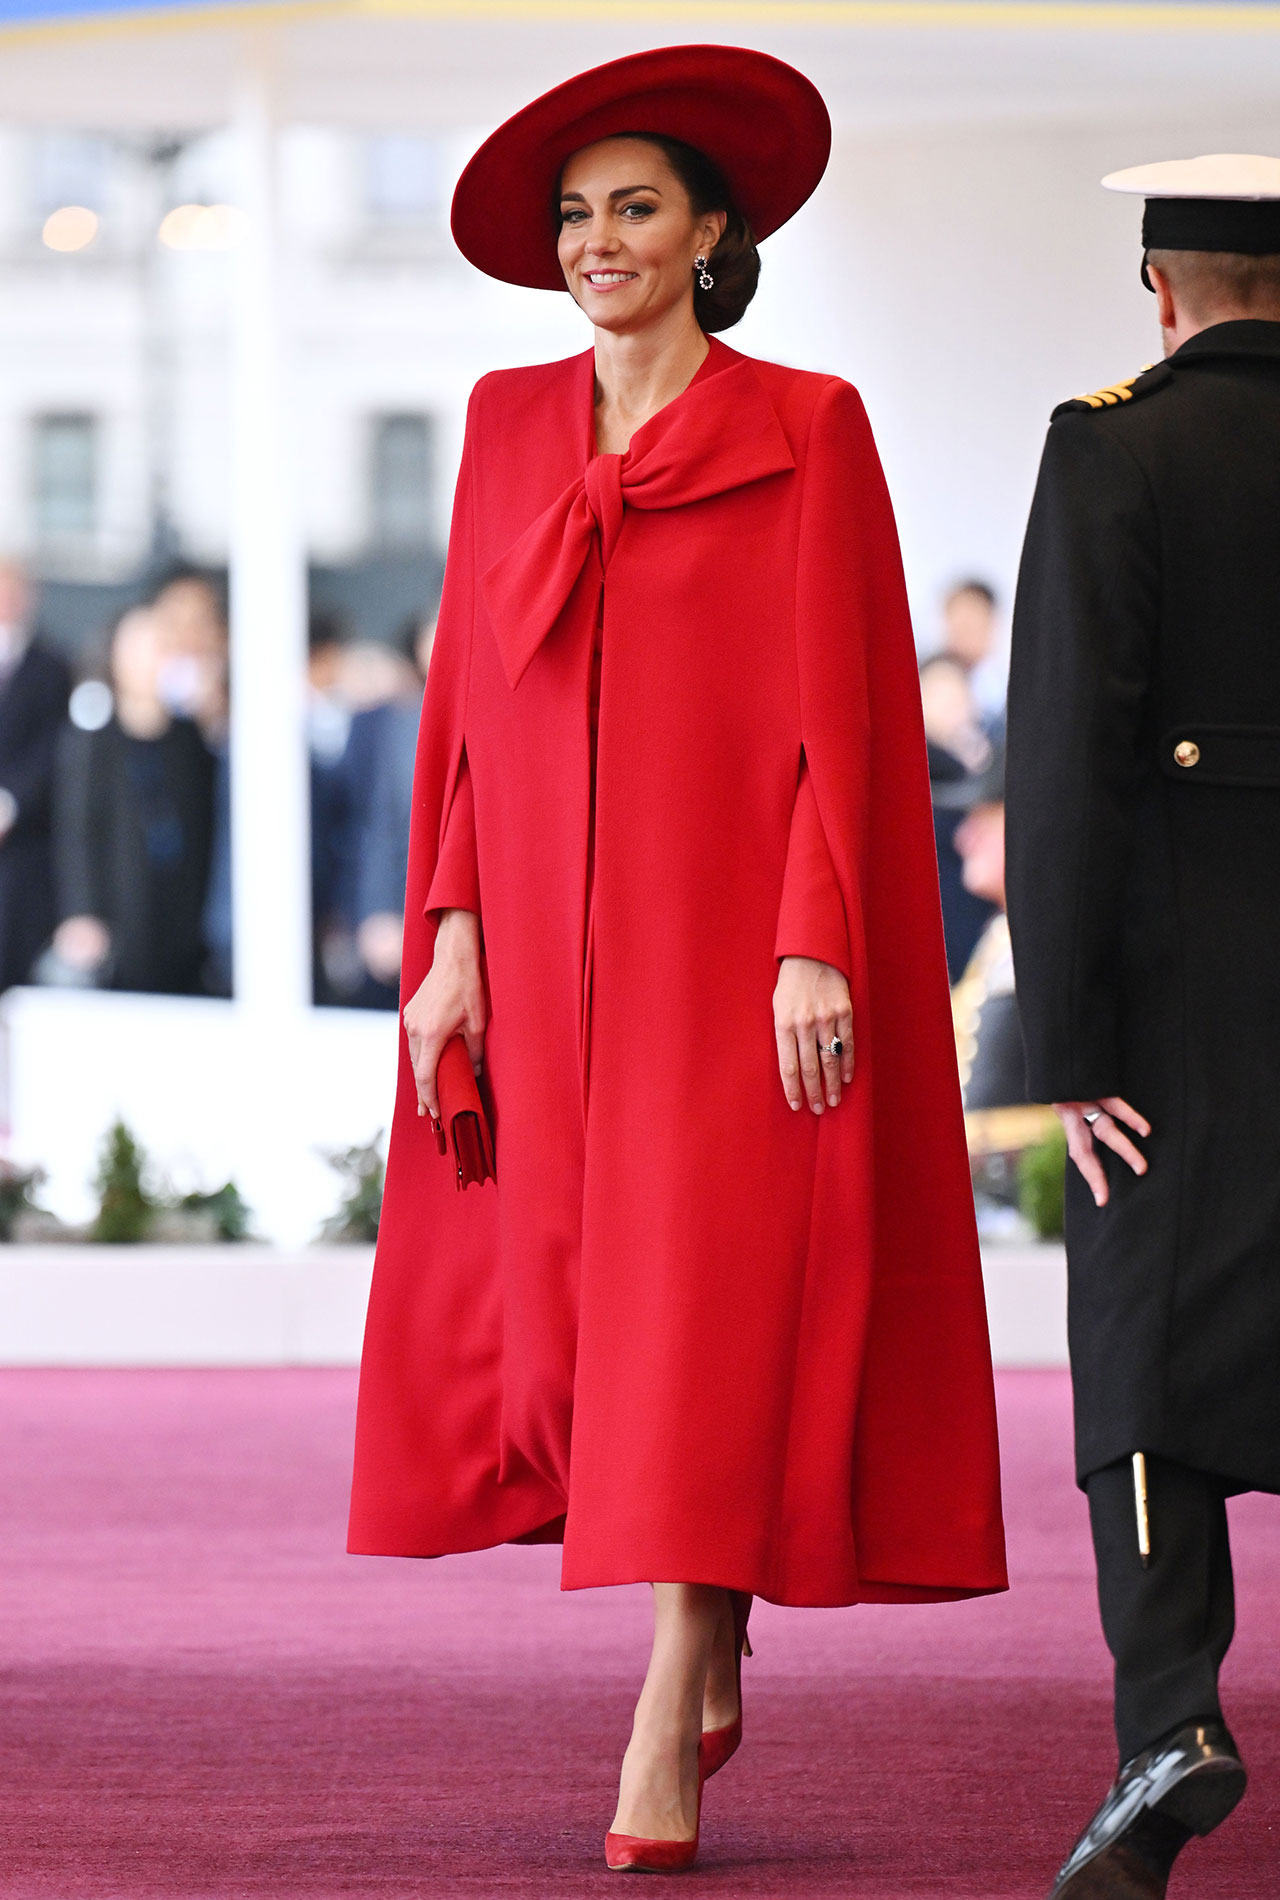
<point x="1092" y="16"/>
<point x="141" y="20"/>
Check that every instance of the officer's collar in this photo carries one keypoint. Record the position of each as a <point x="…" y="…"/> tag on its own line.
<point x="1242" y="336"/>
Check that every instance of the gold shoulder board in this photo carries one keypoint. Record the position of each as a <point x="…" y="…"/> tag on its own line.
<point x="1114" y="393"/>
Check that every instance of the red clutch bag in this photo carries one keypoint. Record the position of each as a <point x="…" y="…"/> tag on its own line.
<point x="463" y="1124"/>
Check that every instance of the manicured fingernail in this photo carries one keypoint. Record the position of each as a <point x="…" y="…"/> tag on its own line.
<point x="817" y="1108"/>
<point x="795" y="1104"/>
<point x="833" y="1099"/>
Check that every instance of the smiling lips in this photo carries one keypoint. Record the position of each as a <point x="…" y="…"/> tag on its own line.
<point x="610" y="279"/>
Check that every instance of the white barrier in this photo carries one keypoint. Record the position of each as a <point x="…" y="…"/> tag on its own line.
<point x="262" y="1306"/>
<point x="182" y="1306"/>
<point x="211" y="1090"/>
<point x="1026" y="1304"/>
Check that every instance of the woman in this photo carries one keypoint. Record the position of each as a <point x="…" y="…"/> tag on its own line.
<point x="671" y="766"/>
<point x="132" y="829"/>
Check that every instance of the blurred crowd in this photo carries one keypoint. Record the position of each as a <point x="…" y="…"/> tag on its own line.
<point x="962" y="690"/>
<point x="115" y="814"/>
<point x="115" y="807"/>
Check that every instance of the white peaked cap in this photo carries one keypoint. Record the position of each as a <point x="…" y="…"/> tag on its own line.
<point x="1240" y="175"/>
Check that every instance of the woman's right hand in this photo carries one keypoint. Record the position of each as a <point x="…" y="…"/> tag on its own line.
<point x="451" y="997"/>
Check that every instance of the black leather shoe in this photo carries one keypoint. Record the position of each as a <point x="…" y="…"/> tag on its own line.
<point x="1183" y="1785"/>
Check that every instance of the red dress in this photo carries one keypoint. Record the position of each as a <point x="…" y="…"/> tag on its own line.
<point x="672" y="733"/>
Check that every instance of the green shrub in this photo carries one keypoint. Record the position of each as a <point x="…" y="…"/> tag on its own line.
<point x="231" y="1213"/>
<point x="357" y="1213"/>
<point x="1042" y="1184"/>
<point x="17" y="1186"/>
<point x="126" y="1208"/>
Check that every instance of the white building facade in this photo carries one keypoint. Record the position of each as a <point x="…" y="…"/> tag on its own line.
<point x="114" y="355"/>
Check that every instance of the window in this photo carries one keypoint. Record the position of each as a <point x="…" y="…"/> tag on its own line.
<point x="400" y="490"/>
<point x="404" y="181"/>
<point x="64" y="479"/>
<point x="67" y="168"/>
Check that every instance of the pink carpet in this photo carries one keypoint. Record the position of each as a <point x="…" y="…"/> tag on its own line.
<point x="203" y="1696"/>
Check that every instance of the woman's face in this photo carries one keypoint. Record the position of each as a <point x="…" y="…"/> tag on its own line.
<point x="136" y="651"/>
<point x="628" y="236"/>
<point x="947" y="701"/>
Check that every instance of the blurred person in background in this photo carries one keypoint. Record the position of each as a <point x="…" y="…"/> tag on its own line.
<point x="335" y="972"/>
<point x="1000" y="1122"/>
<point x="969" y="623"/>
<point x="958" y="749"/>
<point x="34" y="686"/>
<point x="670" y="852"/>
<point x="380" y="761"/>
<point x="373" y="683"/>
<point x="952" y="718"/>
<point x="133" y="821"/>
<point x="373" y="674"/>
<point x="194" y="683"/>
<point x="971" y="637"/>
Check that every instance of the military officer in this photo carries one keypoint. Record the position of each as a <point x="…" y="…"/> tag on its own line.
<point x="1144" y="836"/>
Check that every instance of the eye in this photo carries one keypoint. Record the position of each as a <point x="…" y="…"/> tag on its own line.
<point x="639" y="205"/>
<point x="572" y="214"/>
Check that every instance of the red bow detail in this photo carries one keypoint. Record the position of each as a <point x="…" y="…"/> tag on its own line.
<point x="719" y="434"/>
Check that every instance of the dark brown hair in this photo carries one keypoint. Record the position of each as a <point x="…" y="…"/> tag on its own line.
<point x="983" y="590"/>
<point x="735" y="262"/>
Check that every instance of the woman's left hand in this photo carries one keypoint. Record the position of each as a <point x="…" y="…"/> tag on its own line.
<point x="812" y="1007"/>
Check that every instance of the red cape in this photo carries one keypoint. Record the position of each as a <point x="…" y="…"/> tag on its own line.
<point x="693" y="1333"/>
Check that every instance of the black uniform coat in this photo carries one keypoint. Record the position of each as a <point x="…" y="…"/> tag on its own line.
<point x="1144" y="887"/>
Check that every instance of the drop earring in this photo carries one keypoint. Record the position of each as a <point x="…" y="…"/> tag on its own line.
<point x="705" y="279"/>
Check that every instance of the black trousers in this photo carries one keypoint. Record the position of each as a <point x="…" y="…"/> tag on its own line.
<point x="1169" y="1626"/>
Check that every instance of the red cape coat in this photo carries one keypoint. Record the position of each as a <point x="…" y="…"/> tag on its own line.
<point x="696" y="1335"/>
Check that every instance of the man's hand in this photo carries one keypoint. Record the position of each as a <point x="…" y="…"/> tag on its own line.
<point x="811" y="1007"/>
<point x="1090" y="1122"/>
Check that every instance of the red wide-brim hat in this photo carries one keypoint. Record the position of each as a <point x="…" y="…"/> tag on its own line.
<point x="762" y="122"/>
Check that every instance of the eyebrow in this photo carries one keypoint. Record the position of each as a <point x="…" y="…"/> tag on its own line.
<point x="623" y="191"/>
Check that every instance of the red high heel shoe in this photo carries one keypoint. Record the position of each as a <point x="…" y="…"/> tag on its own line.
<point x="630" y="1853"/>
<point x="718" y="1744"/>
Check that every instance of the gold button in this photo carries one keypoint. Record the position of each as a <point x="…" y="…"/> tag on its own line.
<point x="1187" y="752"/>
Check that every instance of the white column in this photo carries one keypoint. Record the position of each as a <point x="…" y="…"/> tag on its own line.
<point x="270" y="823"/>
